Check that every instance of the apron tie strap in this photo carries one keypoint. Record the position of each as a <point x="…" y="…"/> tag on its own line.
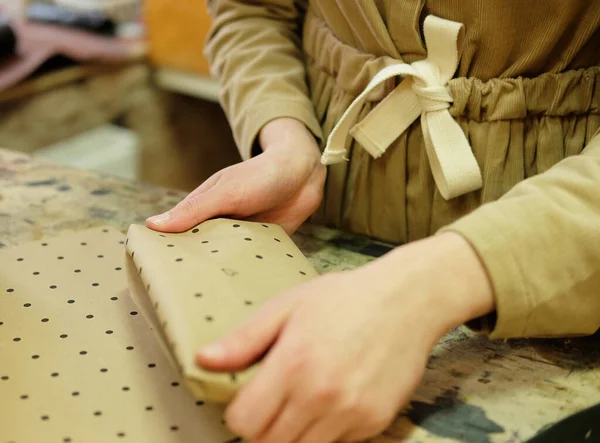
<point x="423" y="92"/>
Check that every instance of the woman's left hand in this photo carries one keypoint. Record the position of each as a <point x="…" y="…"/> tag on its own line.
<point x="345" y="352"/>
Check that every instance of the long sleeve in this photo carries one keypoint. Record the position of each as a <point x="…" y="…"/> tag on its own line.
<point x="540" y="244"/>
<point x="254" y="51"/>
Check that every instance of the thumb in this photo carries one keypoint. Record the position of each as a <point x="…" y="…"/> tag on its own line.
<point x="191" y="211"/>
<point x="249" y="343"/>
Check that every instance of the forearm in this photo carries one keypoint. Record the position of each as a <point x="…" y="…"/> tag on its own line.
<point x="254" y="51"/>
<point x="454" y="285"/>
<point x="540" y="244"/>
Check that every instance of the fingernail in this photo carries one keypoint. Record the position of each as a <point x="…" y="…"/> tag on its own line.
<point x="160" y="219"/>
<point x="213" y="352"/>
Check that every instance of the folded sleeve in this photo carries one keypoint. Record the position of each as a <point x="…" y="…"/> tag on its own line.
<point x="254" y="48"/>
<point x="540" y="244"/>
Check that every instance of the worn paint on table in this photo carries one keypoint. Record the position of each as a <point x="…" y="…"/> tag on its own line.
<point x="474" y="390"/>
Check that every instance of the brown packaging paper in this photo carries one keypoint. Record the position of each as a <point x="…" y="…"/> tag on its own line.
<point x="80" y="361"/>
<point x="199" y="285"/>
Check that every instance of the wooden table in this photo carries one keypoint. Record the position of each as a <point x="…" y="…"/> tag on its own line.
<point x="474" y="390"/>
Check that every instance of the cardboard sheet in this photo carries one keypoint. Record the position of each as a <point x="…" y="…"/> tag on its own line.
<point x="81" y="361"/>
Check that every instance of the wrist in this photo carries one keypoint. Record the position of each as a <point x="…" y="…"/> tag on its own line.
<point x="288" y="133"/>
<point x="463" y="279"/>
<point x="446" y="275"/>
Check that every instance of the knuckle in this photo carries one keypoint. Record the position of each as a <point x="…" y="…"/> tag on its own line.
<point x="233" y="198"/>
<point x="297" y="365"/>
<point x="326" y="394"/>
<point x="351" y="407"/>
<point x="188" y="206"/>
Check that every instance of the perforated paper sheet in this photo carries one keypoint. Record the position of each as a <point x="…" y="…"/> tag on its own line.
<point x="77" y="361"/>
<point x="81" y="361"/>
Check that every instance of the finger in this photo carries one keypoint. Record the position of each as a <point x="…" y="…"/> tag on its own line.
<point x="259" y="403"/>
<point x="295" y="418"/>
<point x="251" y="341"/>
<point x="326" y="430"/>
<point x="193" y="210"/>
<point x="160" y="220"/>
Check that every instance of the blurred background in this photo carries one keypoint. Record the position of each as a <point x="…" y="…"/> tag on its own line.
<point x="115" y="86"/>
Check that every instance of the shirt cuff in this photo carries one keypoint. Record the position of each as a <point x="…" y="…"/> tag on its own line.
<point x="485" y="230"/>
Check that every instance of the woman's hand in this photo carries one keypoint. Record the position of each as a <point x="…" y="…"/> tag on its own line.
<point x="283" y="185"/>
<point x="345" y="352"/>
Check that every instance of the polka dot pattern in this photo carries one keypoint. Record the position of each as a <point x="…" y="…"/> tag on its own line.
<point x="207" y="281"/>
<point x="80" y="363"/>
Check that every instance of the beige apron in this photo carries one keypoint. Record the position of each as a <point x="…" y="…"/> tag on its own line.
<point x="516" y="127"/>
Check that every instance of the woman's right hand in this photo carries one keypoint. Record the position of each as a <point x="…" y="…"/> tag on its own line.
<point x="283" y="185"/>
